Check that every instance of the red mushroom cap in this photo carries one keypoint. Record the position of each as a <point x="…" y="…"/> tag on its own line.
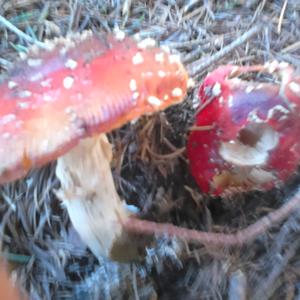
<point x="253" y="141"/>
<point x="85" y="84"/>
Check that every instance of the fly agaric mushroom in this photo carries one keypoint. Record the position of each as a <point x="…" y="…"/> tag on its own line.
<point x="246" y="132"/>
<point x="60" y="103"/>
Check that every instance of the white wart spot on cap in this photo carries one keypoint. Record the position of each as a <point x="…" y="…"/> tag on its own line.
<point x="249" y="89"/>
<point x="283" y="65"/>
<point x="47" y="98"/>
<point x="191" y="83"/>
<point x="230" y="101"/>
<point x="147" y="43"/>
<point x="154" y="101"/>
<point x="294" y="87"/>
<point x="71" y="113"/>
<point x="165" y="48"/>
<point x="135" y="95"/>
<point x="36" y="76"/>
<point x="23" y="105"/>
<point x="177" y="92"/>
<point x="174" y="59"/>
<point x="160" y="57"/>
<point x="68" y="82"/>
<point x="119" y="34"/>
<point x="71" y="64"/>
<point x="272" y="66"/>
<point x="161" y="74"/>
<point x="133" y="85"/>
<point x="24" y="94"/>
<point x="216" y="90"/>
<point x="86" y="34"/>
<point x="22" y="55"/>
<point x="34" y="62"/>
<point x="12" y="84"/>
<point x="46" y="83"/>
<point x="137" y="59"/>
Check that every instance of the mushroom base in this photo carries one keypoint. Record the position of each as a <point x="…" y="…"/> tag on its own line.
<point x="88" y="192"/>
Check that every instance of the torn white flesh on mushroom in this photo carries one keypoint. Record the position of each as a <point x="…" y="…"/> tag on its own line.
<point x="252" y="146"/>
<point x="88" y="193"/>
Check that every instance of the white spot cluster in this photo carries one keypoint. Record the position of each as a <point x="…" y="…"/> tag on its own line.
<point x="71" y="64"/>
<point x="68" y="82"/>
<point x="137" y="59"/>
<point x="119" y="34"/>
<point x="69" y="41"/>
<point x="147" y="43"/>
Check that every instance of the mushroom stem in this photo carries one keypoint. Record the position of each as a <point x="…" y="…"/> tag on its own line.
<point x="88" y="192"/>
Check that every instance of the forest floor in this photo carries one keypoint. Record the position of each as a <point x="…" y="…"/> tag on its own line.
<point x="150" y="165"/>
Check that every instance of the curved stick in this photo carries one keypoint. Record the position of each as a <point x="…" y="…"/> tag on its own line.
<point x="239" y="238"/>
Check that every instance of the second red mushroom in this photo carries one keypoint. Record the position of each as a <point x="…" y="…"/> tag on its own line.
<point x="246" y="132"/>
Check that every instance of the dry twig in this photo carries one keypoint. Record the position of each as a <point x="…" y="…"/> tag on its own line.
<point x="239" y="238"/>
<point x="199" y="65"/>
<point x="20" y="33"/>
